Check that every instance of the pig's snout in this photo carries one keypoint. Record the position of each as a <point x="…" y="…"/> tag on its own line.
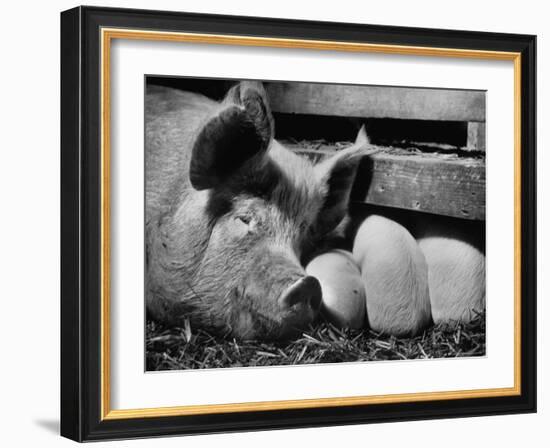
<point x="305" y="291"/>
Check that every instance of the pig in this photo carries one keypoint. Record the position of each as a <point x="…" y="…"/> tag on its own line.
<point x="230" y="214"/>
<point x="395" y="277"/>
<point x="343" y="301"/>
<point x="456" y="271"/>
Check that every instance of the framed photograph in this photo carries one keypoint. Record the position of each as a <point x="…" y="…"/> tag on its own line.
<point x="276" y="224"/>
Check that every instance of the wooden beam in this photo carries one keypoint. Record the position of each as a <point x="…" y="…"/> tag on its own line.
<point x="376" y="101"/>
<point x="427" y="183"/>
<point x="476" y="136"/>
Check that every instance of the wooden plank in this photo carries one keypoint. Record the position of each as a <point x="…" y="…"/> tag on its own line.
<point x="476" y="136"/>
<point x="376" y="101"/>
<point x="446" y="187"/>
<point x="427" y="183"/>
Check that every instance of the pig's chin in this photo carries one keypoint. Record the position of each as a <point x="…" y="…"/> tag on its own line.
<point x="274" y="326"/>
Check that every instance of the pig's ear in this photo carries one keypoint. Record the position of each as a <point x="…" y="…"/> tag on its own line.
<point x="252" y="97"/>
<point x="242" y="129"/>
<point x="336" y="176"/>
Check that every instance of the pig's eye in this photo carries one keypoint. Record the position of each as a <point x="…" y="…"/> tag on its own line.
<point x="246" y="222"/>
<point x="245" y="219"/>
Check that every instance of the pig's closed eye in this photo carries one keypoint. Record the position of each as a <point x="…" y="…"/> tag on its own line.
<point x="245" y="219"/>
<point x="246" y="223"/>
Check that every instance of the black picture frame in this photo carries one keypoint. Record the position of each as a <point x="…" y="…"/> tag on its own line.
<point x="81" y="414"/>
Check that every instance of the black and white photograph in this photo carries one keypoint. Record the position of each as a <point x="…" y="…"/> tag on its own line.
<point x="272" y="223"/>
<point x="306" y="223"/>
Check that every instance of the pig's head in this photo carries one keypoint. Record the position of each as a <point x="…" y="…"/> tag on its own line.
<point x="228" y="254"/>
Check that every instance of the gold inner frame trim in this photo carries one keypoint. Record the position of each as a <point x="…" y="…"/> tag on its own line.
<point x="107" y="35"/>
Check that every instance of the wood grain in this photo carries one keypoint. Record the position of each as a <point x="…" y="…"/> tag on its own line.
<point x="376" y="101"/>
<point x="476" y="136"/>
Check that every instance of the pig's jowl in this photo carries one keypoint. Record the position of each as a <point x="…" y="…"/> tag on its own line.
<point x="230" y="213"/>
